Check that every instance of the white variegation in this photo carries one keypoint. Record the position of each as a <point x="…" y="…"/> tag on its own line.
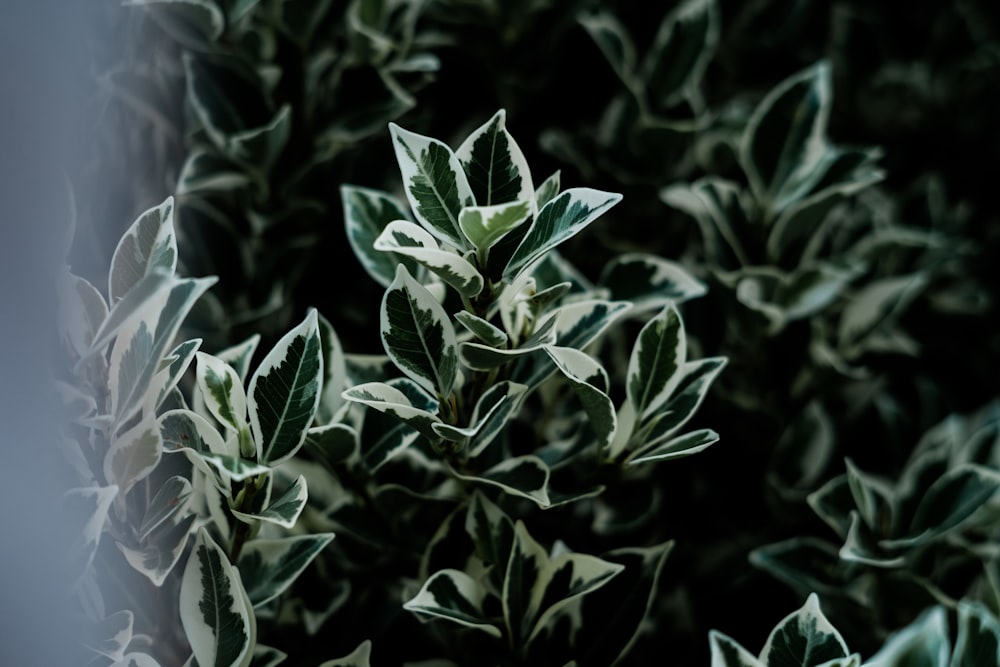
<point x="283" y="511"/>
<point x="359" y="657"/>
<point x="385" y="398"/>
<point x="876" y="303"/>
<point x="674" y="448"/>
<point x="726" y="652"/>
<point x="504" y="155"/>
<point x="485" y="225"/>
<point x="487" y="332"/>
<point x="366" y="213"/>
<point x="91" y="505"/>
<point x="133" y="454"/>
<point x="222" y="389"/>
<point x="549" y="188"/>
<point x="149" y="244"/>
<point x="406" y="238"/>
<point x="269" y="566"/>
<point x="666" y="281"/>
<point x="806" y="628"/>
<point x="590" y="381"/>
<point x="654" y="368"/>
<point x="455" y="596"/>
<point x="524" y="476"/>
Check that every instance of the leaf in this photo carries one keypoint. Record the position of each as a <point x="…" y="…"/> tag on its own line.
<point x="718" y="207"/>
<point x="418" y="335"/>
<point x="454" y="596"/>
<point x="485" y="225"/>
<point x="167" y="378"/>
<point x="726" y="652"/>
<point x="978" y="641"/>
<point x="491" y="530"/>
<point x="495" y="166"/>
<point x="523" y="476"/>
<point x="387" y="398"/>
<point x="556" y="222"/>
<point x="149" y="244"/>
<point x="206" y="171"/>
<point x="268" y="567"/>
<point x="952" y="499"/>
<point x="406" y="238"/>
<point x="284" y="392"/>
<point x="261" y="146"/>
<point x="785" y="136"/>
<point x="267" y="656"/>
<point x="492" y="414"/>
<point x="223" y="391"/>
<point x="334" y="372"/>
<point x="133" y="455"/>
<point x="696" y="380"/>
<point x="285" y="510"/>
<point x="804" y="638"/>
<point x="875" y="304"/>
<point x="110" y="636"/>
<point x="616" y="45"/>
<point x="685" y="445"/>
<point x="681" y="50"/>
<point x="549" y="188"/>
<point x="435" y="183"/>
<point x="239" y="356"/>
<point x="923" y="643"/>
<point x="366" y="214"/>
<point x="332" y="444"/>
<point x="215" y="613"/>
<point x="649" y="281"/>
<point x="656" y="361"/>
<point x="156" y="557"/>
<point x="171" y="498"/>
<point x="194" y="23"/>
<point x="358" y="658"/>
<point x="491" y="335"/>
<point x="590" y="381"/>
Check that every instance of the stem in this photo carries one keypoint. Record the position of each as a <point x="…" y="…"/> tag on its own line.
<point x="243" y="530"/>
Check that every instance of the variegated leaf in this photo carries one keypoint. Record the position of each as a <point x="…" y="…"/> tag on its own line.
<point x="925" y="641"/>
<point x="489" y="403"/>
<point x="559" y="220"/>
<point x="418" y="335"/>
<point x="240" y="355"/>
<point x="332" y="444"/>
<point x="496" y="169"/>
<point x="549" y="188"/>
<point x="805" y="637"/>
<point x="649" y="281"/>
<point x="524" y="476"/>
<point x="490" y="334"/>
<point x="435" y="183"/>
<point x="953" y="498"/>
<point x="171" y="499"/>
<point x="485" y="225"/>
<point x="215" y="612"/>
<point x="590" y="381"/>
<point x="717" y="205"/>
<point x="223" y="391"/>
<point x="366" y="214"/>
<point x="978" y="641"/>
<point x="148" y="245"/>
<point x="389" y="399"/>
<point x="360" y="657"/>
<point x="785" y="139"/>
<point x="654" y="368"/>
<point x="454" y="596"/>
<point x="491" y="530"/>
<point x="875" y="304"/>
<point x="158" y="554"/>
<point x="681" y="50"/>
<point x="81" y="312"/>
<point x="409" y="239"/>
<point x="268" y="567"/>
<point x="209" y="171"/>
<point x="284" y="392"/>
<point x="486" y="357"/>
<point x="109" y="637"/>
<point x="334" y="373"/>
<point x="492" y="414"/>
<point x="696" y="380"/>
<point x="675" y="448"/>
<point x="726" y="652"/>
<point x="166" y="379"/>
<point x="285" y="510"/>
<point x="134" y="454"/>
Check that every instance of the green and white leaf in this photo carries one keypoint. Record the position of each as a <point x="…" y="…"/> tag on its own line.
<point x="134" y="454"/>
<point x="876" y="303"/>
<point x="454" y="596"/>
<point x="240" y="355"/>
<point x="389" y="399"/>
<point x="649" y="281"/>
<point x="215" y="612"/>
<point x="925" y="641"/>
<point x="170" y="500"/>
<point x="334" y="373"/>
<point x="681" y="51"/>
<point x="676" y="448"/>
<point x="284" y="392"/>
<point x="616" y="45"/>
<point x="418" y="335"/>
<point x="158" y="554"/>
<point x="549" y="188"/>
<point x="805" y="637"/>
<point x="406" y="238"/>
<point x="359" y="657"/>
<point x="978" y="641"/>
<point x="485" y="225"/>
<point x="718" y="206"/>
<point x="223" y="391"/>
<point x="952" y="499"/>
<point x="655" y="365"/>
<point x="522" y="476"/>
<point x="285" y="510"/>
<point x="268" y="567"/>
<point x="557" y="221"/>
<point x="366" y="214"/>
<point x="486" y="357"/>
<point x="492" y="414"/>
<point x="148" y="245"/>
<point x="496" y="168"/>
<point x="726" y="652"/>
<point x="110" y="636"/>
<point x="166" y="379"/>
<point x="207" y="171"/>
<point x="491" y="335"/>
<point x="590" y="382"/>
<point x="435" y="183"/>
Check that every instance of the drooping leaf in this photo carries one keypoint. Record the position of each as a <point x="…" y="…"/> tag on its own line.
<point x="455" y="596"/>
<point x="435" y="183"/>
<point x="418" y="335"/>
<point x="149" y="244"/>
<point x="284" y="392"/>
<point x="560" y="219"/>
<point x="269" y="566"/>
<point x="215" y="612"/>
<point x="495" y="166"/>
<point x="590" y="381"/>
<point x="366" y="214"/>
<point x="406" y="238"/>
